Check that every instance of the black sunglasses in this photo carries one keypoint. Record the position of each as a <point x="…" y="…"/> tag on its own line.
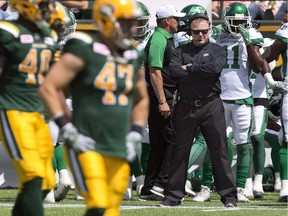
<point x="197" y="32"/>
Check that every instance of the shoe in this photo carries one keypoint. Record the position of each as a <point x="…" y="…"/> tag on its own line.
<point x="188" y="188"/>
<point x="277" y="186"/>
<point x="64" y="185"/>
<point x="169" y="204"/>
<point x="77" y="196"/>
<point x="248" y="188"/>
<point x="157" y="191"/>
<point x="241" y="195"/>
<point x="258" y="191"/>
<point x="203" y="195"/>
<point x="128" y="194"/>
<point x="138" y="189"/>
<point x="283" y="198"/>
<point x="230" y="205"/>
<point x="150" y="197"/>
<point x="50" y="197"/>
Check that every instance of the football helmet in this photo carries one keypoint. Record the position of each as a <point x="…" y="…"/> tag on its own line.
<point x="37" y="11"/>
<point x="142" y="22"/>
<point x="115" y="19"/>
<point x="234" y="14"/>
<point x="62" y="21"/>
<point x="190" y="10"/>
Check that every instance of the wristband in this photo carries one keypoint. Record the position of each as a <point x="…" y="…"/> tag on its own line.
<point x="61" y="121"/>
<point x="268" y="77"/>
<point x="162" y="103"/>
<point x="137" y="129"/>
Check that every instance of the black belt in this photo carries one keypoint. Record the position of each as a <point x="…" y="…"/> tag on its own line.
<point x="198" y="102"/>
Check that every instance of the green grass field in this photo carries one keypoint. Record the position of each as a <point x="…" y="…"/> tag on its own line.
<point x="269" y="206"/>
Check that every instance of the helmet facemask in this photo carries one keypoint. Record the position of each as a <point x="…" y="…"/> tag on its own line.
<point x="233" y="22"/>
<point x="235" y="14"/>
<point x="142" y="27"/>
<point x="37" y="11"/>
<point x="116" y="21"/>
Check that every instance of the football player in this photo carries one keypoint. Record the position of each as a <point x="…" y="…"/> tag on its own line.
<point x="110" y="104"/>
<point x="64" y="23"/>
<point x="138" y="166"/>
<point x="27" y="46"/>
<point x="236" y="92"/>
<point x="279" y="47"/>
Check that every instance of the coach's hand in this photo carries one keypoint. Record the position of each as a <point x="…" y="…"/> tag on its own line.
<point x="73" y="139"/>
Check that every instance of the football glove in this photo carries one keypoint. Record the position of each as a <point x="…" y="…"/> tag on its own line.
<point x="277" y="86"/>
<point x="73" y="139"/>
<point x="280" y="87"/>
<point x="245" y="34"/>
<point x="216" y="31"/>
<point x="133" y="140"/>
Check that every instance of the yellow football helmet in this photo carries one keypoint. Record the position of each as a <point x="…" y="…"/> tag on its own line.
<point x="115" y="19"/>
<point x="37" y="11"/>
<point x="61" y="21"/>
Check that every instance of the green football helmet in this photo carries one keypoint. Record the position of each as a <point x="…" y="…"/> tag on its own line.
<point x="142" y="22"/>
<point x="191" y="10"/>
<point x="234" y="14"/>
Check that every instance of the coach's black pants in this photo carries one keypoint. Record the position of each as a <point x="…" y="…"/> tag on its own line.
<point x="211" y="120"/>
<point x="160" y="138"/>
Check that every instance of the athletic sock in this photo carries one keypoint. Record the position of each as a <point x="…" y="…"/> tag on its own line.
<point x="95" y="212"/>
<point x="272" y="139"/>
<point x="31" y="198"/>
<point x="197" y="148"/>
<point x="258" y="153"/>
<point x="136" y="167"/>
<point x="59" y="156"/>
<point x="243" y="162"/>
<point x="207" y="175"/>
<point x="144" y="156"/>
<point x="284" y="163"/>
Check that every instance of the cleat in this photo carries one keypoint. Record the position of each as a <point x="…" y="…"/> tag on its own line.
<point x="64" y="185"/>
<point x="169" y="204"/>
<point x="241" y="195"/>
<point x="157" y="191"/>
<point x="77" y="196"/>
<point x="188" y="188"/>
<point x="204" y="194"/>
<point x="50" y="197"/>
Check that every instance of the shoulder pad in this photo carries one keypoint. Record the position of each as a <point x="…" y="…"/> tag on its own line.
<point x="256" y="37"/>
<point x="10" y="28"/>
<point x="81" y="36"/>
<point x="282" y="33"/>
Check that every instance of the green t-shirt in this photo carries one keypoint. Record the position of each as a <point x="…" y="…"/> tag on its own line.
<point x="28" y="56"/>
<point x="102" y="91"/>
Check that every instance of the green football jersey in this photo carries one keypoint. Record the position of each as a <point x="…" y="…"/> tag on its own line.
<point x="102" y="91"/>
<point x="28" y="57"/>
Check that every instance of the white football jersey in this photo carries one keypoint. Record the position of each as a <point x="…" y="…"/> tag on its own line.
<point x="235" y="82"/>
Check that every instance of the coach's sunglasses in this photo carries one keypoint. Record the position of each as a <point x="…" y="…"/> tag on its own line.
<point x="197" y="32"/>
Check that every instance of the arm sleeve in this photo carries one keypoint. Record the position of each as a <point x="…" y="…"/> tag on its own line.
<point x="213" y="66"/>
<point x="176" y="71"/>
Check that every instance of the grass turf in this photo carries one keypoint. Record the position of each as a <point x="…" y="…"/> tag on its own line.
<point x="267" y="206"/>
